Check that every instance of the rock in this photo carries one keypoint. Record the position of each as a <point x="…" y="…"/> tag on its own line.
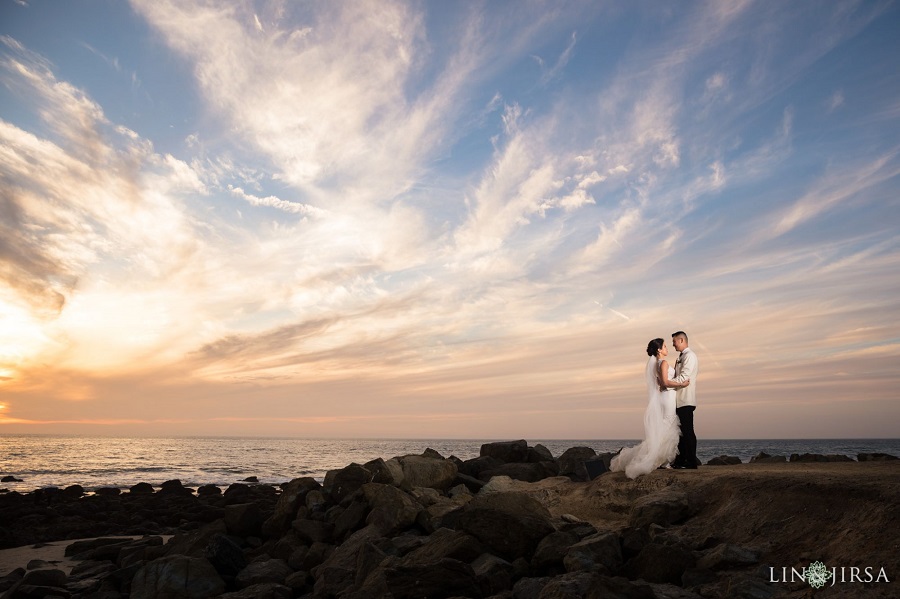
<point x="194" y="543"/>
<point x="174" y="487"/>
<point x="351" y="519"/>
<point x="91" y="569"/>
<point x="265" y="571"/>
<point x="345" y="481"/>
<point x="314" y="531"/>
<point x="292" y="497"/>
<point x="493" y="574"/>
<point x="445" y="543"/>
<point x="82" y="548"/>
<point x="107" y="491"/>
<point x="36" y="564"/>
<point x="551" y="551"/>
<point x="660" y="563"/>
<point x="73" y="491"/>
<point x="243" y="519"/>
<point x="529" y="472"/>
<point x="45" y="577"/>
<point x="670" y="591"/>
<point x="225" y="555"/>
<point x="726" y="556"/>
<point x="476" y="466"/>
<point x="764" y="458"/>
<point x="315" y="502"/>
<point x="510" y="524"/>
<point x="571" y="462"/>
<point x="539" y="453"/>
<point x="392" y="510"/>
<point x="633" y="540"/>
<point x="472" y="484"/>
<point x="598" y="552"/>
<point x="177" y="577"/>
<point x="530" y="587"/>
<point x="875" y="457"/>
<point x="664" y="508"/>
<point x="141" y="489"/>
<point x="208" y="491"/>
<point x="445" y="578"/>
<point x="11" y="479"/>
<point x="432" y="453"/>
<point x="506" y="451"/>
<point x="337" y="572"/>
<point x="382" y="474"/>
<point x="724" y="460"/>
<point x="420" y="471"/>
<point x="269" y="590"/>
<point x="574" y="585"/>
<point x="251" y="479"/>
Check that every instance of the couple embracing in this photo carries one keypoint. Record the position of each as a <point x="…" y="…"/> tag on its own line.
<point x="669" y="438"/>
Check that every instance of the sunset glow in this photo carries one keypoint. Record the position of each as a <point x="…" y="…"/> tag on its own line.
<point x="429" y="219"/>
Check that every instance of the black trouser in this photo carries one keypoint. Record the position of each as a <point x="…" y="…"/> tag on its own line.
<point x="687" y="443"/>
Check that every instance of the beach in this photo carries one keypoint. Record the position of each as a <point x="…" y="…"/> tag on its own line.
<point x="386" y="528"/>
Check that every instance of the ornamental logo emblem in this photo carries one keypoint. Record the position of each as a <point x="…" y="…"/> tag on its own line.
<point x="817" y="575"/>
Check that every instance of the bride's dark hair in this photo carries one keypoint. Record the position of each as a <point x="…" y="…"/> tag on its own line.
<point x="654" y="346"/>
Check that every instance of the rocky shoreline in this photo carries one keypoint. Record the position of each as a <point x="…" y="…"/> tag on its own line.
<point x="514" y="523"/>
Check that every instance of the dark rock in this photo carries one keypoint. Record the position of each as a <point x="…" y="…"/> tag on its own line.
<point x="539" y="453"/>
<point x="237" y="493"/>
<point x="506" y="451"/>
<point x="79" y="548"/>
<point x="510" y="524"/>
<point x="444" y="579"/>
<point x="177" y="576"/>
<point x="208" y="491"/>
<point x="11" y="479"/>
<point x="292" y="497"/>
<point x="764" y="458"/>
<point x="529" y="472"/>
<point x="243" y="519"/>
<point x="599" y="552"/>
<point x="225" y="555"/>
<point x="574" y="585"/>
<point x="606" y="587"/>
<point x="807" y="457"/>
<point x="472" y="484"/>
<point x="73" y="491"/>
<point x="836" y="457"/>
<point x="530" y="587"/>
<point x="351" y="519"/>
<point x="174" y="487"/>
<point x="36" y="564"/>
<point x="694" y="577"/>
<point x="660" y="563"/>
<point x="392" y="509"/>
<point x="727" y="556"/>
<point x="432" y="453"/>
<point x="313" y="531"/>
<point x="268" y="590"/>
<point x="663" y="508"/>
<point x="445" y="543"/>
<point x="45" y="577"/>
<point x="724" y="460"/>
<point x="551" y="551"/>
<point x="194" y="543"/>
<point x="476" y="466"/>
<point x="141" y="489"/>
<point x="251" y="479"/>
<point x="875" y="457"/>
<point x="345" y="481"/>
<point x="380" y="472"/>
<point x="633" y="540"/>
<point x="107" y="491"/>
<point x="91" y="569"/>
<point x="571" y="462"/>
<point x="494" y="574"/>
<point x="265" y="571"/>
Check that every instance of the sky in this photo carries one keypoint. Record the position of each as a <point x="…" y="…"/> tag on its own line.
<point x="447" y="219"/>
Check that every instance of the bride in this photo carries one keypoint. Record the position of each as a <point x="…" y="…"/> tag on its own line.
<point x="661" y="426"/>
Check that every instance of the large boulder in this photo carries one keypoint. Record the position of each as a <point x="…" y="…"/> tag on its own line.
<point x="420" y="471"/>
<point x="290" y="500"/>
<point x="445" y="543"/>
<point x="266" y="571"/>
<point x="392" y="510"/>
<point x="875" y="457"/>
<point x="344" y="481"/>
<point x="476" y="466"/>
<point x="552" y="549"/>
<point x="660" y="563"/>
<point x="598" y="552"/>
<point x="177" y="577"/>
<point x="266" y="590"/>
<point x="445" y="578"/>
<point x="663" y="508"/>
<point x="506" y="451"/>
<point x="764" y="458"/>
<point x="529" y="472"/>
<point x="510" y="524"/>
<point x="725" y="556"/>
<point x="571" y="462"/>
<point x="724" y="460"/>
<point x="243" y="519"/>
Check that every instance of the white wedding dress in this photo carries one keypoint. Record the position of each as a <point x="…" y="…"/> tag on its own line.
<point x="661" y="430"/>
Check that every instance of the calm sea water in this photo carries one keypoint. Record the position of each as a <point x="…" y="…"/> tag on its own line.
<point x="58" y="461"/>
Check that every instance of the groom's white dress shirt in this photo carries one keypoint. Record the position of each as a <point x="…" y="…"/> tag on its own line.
<point x="686" y="367"/>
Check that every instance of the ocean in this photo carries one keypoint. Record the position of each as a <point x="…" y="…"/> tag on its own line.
<point x="42" y="461"/>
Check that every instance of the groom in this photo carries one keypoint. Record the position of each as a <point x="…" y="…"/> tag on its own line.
<point x="687" y="367"/>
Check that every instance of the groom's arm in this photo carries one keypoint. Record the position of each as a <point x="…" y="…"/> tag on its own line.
<point x="689" y="365"/>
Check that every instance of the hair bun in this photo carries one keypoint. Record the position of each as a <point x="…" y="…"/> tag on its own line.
<point x="654" y="346"/>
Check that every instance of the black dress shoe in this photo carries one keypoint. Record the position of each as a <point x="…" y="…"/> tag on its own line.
<point x="684" y="467"/>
